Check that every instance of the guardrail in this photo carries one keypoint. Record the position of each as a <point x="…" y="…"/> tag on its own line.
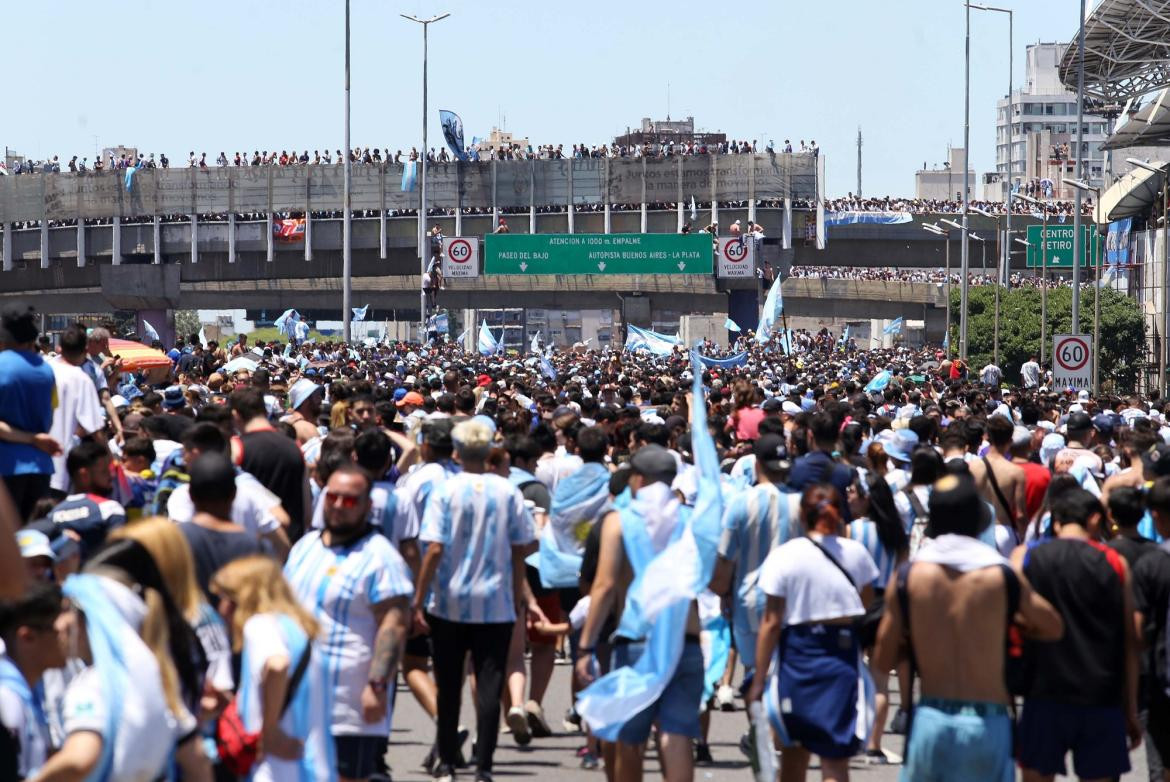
<point x="495" y="184"/>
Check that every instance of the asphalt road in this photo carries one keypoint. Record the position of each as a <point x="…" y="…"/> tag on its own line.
<point x="555" y="758"/>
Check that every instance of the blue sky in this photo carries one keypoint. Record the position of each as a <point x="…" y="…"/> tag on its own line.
<point x="216" y="75"/>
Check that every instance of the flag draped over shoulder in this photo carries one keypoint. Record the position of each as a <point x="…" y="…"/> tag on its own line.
<point x="547" y="369"/>
<point x="773" y="309"/>
<point x="879" y="382"/>
<point x="576" y="504"/>
<point x="651" y="341"/>
<point x="663" y="591"/>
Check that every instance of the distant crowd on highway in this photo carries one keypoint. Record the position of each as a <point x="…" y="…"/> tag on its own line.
<point x="1057" y="210"/>
<point x="939" y="276"/>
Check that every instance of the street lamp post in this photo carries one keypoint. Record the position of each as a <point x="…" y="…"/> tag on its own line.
<point x="1080" y="173"/>
<point x="422" y="195"/>
<point x="1080" y="185"/>
<point x="346" y="224"/>
<point x="1043" y="272"/>
<point x="1026" y="244"/>
<point x="965" y="258"/>
<point x="934" y="229"/>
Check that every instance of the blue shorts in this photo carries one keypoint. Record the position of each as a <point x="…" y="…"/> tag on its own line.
<point x="959" y="741"/>
<point x="677" y="710"/>
<point x="1094" y="734"/>
<point x="818" y="688"/>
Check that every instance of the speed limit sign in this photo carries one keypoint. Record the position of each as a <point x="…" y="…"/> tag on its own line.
<point x="1072" y="365"/>
<point x="460" y="256"/>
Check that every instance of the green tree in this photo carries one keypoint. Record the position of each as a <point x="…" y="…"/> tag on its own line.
<point x="1123" y="330"/>
<point x="186" y="323"/>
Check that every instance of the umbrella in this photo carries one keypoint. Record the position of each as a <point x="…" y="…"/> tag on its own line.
<point x="137" y="357"/>
<point x="240" y="362"/>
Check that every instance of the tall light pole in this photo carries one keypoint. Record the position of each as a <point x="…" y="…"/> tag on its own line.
<point x="1080" y="174"/>
<point x="346" y="226"/>
<point x="998" y="273"/>
<point x="1080" y="186"/>
<point x="1160" y="168"/>
<point x="934" y="229"/>
<point x="964" y="262"/>
<point x="422" y="196"/>
<point x="1043" y="272"/>
<point x="1007" y="197"/>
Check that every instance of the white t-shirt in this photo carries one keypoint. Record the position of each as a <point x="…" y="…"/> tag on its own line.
<point x="78" y="406"/>
<point x="20" y="720"/>
<point x="251" y="509"/>
<point x="147" y="731"/>
<point x="815" y="590"/>
<point x="307" y="717"/>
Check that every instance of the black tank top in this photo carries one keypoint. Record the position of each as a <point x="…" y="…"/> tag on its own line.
<point x="1082" y="580"/>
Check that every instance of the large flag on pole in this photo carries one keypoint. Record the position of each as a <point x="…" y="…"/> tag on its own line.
<point x="359" y="313"/>
<point x="651" y="341"/>
<point x="773" y="309"/>
<point x="488" y="344"/>
<point x="453" y="132"/>
<point x="894" y="327"/>
<point x="731" y="325"/>
<point x="150" y="331"/>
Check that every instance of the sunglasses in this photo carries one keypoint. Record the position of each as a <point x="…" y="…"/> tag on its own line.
<point x="344" y="500"/>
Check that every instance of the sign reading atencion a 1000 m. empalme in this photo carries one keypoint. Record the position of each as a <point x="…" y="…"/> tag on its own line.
<point x="597" y="254"/>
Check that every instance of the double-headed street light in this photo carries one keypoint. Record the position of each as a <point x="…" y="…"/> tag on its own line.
<point x="937" y="231"/>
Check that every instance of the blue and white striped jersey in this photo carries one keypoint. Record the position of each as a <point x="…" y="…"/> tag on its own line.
<point x="755" y="521"/>
<point x="414" y="489"/>
<point x="340" y="585"/>
<point x="864" y="531"/>
<point x="477" y="519"/>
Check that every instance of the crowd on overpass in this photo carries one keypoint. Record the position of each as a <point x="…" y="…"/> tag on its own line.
<point x="1059" y="211"/>
<point x="935" y="276"/>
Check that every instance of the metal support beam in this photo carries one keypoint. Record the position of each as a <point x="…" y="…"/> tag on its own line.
<point x="308" y="236"/>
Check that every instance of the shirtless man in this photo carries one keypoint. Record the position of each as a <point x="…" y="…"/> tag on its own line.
<point x="676" y="710"/>
<point x="1137" y="449"/>
<point x="1009" y="478"/>
<point x="305" y="400"/>
<point x="957" y="632"/>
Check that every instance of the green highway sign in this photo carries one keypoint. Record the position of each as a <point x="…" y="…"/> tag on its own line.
<point x="597" y="254"/>
<point x="1060" y="246"/>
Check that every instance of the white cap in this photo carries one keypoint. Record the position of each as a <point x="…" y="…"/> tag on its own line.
<point x="119" y="401"/>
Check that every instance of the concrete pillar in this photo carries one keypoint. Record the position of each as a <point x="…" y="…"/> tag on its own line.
<point x="570" y="215"/>
<point x="7" y="247"/>
<point x="607" y="215"/>
<point x="270" y="240"/>
<point x="156" y="229"/>
<point x="308" y="237"/>
<point x="231" y="237"/>
<point x="751" y="210"/>
<point x="458" y="223"/>
<point x="44" y="243"/>
<point x="645" y="217"/>
<point x="194" y="238"/>
<point x="382" y="232"/>
<point x="569" y="206"/>
<point x="714" y="175"/>
<point x="531" y="219"/>
<point x="116" y="241"/>
<point x="81" y="242"/>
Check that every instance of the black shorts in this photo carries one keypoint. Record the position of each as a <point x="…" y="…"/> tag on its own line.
<point x="1158" y="723"/>
<point x="359" y="757"/>
<point x="419" y="646"/>
<point x="532" y="576"/>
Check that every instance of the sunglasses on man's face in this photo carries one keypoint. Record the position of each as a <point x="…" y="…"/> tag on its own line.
<point x="344" y="500"/>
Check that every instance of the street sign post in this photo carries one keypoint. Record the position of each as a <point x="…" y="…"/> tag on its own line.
<point x="597" y="254"/>
<point x="460" y="256"/>
<point x="1072" y="365"/>
<point x="1060" y="246"/>
<point x="736" y="257"/>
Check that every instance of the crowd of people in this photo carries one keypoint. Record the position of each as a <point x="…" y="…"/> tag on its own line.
<point x="1059" y="211"/>
<point x="228" y="568"/>
<point x="936" y="276"/>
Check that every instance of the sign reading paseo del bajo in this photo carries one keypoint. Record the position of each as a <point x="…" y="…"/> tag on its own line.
<point x="597" y="254"/>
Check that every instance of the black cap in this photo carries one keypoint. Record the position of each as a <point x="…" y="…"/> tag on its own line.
<point x="1104" y="423"/>
<point x="955" y="506"/>
<point x="771" y="452"/>
<point x="772" y="404"/>
<point x="437" y="433"/>
<point x="1079" y="421"/>
<point x="18" y="323"/>
<point x="653" y="461"/>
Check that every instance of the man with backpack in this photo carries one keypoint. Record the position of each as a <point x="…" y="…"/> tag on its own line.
<point x="950" y="613"/>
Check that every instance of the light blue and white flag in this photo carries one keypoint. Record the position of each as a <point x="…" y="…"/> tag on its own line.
<point x="879" y="382"/>
<point x="738" y="360"/>
<point x="409" y="175"/>
<point x="462" y="336"/>
<point x="576" y="504"/>
<point x="286" y="323"/>
<point x="663" y="590"/>
<point x="894" y="327"/>
<point x="202" y="338"/>
<point x="731" y="325"/>
<point x="547" y="369"/>
<point x="359" y="313"/>
<point x="773" y="309"/>
<point x="651" y="341"/>
<point x="300" y="331"/>
<point x="786" y="341"/>
<point x="488" y="344"/>
<point x="947" y="344"/>
<point x="534" y="344"/>
<point x="844" y="338"/>
<point x="453" y="132"/>
<point x="150" y="331"/>
<point x="694" y="209"/>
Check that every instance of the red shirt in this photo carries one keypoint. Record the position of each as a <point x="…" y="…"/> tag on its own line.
<point x="1036" y="480"/>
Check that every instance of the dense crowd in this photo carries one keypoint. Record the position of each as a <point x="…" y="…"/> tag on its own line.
<point x="1057" y="210"/>
<point x="937" y="276"/>
<point x="255" y="544"/>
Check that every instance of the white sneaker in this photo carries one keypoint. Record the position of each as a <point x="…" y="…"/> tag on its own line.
<point x="725" y="698"/>
<point x="517" y="720"/>
<point x="536" y="722"/>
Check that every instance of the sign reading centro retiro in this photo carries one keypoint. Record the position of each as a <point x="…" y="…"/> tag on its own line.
<point x="597" y="254"/>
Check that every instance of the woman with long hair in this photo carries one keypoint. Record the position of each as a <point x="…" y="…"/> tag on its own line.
<point x="128" y="700"/>
<point x="817" y="585"/>
<point x="275" y="635"/>
<point x="878" y="526"/>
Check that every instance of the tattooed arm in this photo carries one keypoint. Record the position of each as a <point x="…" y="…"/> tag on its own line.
<point x="388" y="641"/>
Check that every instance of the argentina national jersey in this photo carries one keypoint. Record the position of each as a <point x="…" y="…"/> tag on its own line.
<point x="339" y="585"/>
<point x="477" y="519"/>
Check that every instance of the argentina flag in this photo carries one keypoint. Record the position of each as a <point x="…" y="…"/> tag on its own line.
<point x="453" y="132"/>
<point x="286" y="323"/>
<point x="488" y="345"/>
<point x="150" y="331"/>
<point x="895" y="327"/>
<point x="359" y="313"/>
<point x="650" y="341"/>
<point x="773" y="309"/>
<point x="409" y="175"/>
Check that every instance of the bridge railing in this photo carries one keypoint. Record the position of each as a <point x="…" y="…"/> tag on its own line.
<point x="495" y="184"/>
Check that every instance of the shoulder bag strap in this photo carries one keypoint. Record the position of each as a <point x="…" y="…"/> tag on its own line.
<point x="297" y="675"/>
<point x="998" y="492"/>
<point x="920" y="511"/>
<point x="833" y="559"/>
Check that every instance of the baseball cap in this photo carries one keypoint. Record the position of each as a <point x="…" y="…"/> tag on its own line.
<point x="1021" y="436"/>
<point x="117" y="400"/>
<point x="411" y="398"/>
<point x="18" y="322"/>
<point x="955" y="498"/>
<point x="1104" y="423"/>
<point x="34" y="543"/>
<point x="771" y="452"/>
<point x="1078" y="421"/>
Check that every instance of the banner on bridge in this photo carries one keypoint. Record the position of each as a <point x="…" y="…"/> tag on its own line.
<point x="597" y="254"/>
<point x="460" y="256"/>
